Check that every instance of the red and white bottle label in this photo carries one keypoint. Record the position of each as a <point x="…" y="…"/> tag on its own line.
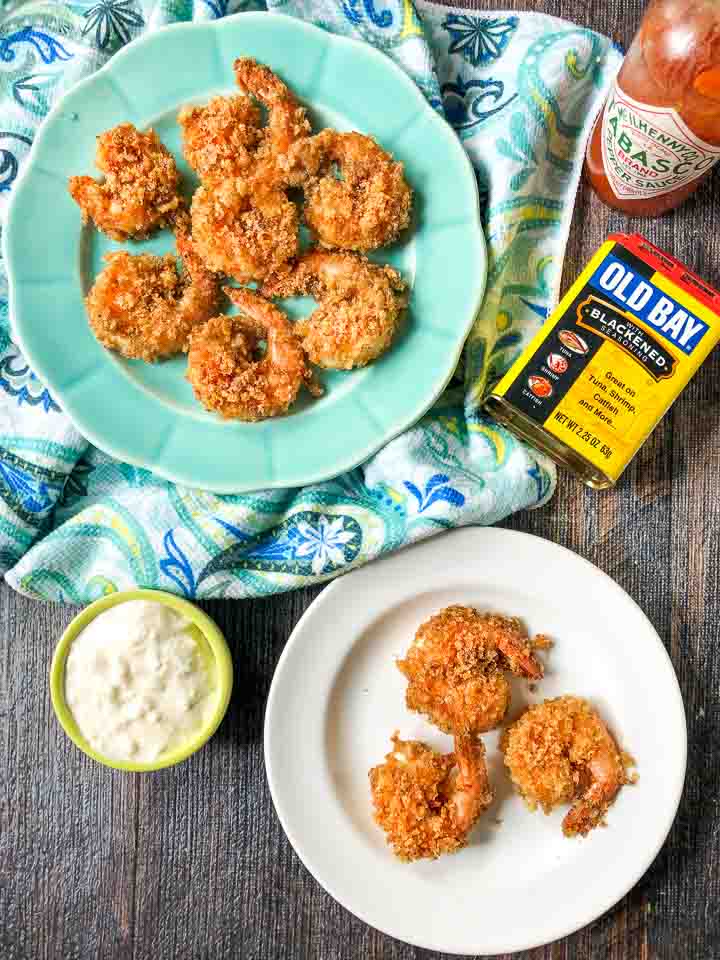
<point x="648" y="151"/>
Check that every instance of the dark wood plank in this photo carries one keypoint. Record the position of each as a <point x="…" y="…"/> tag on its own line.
<point x="193" y="863"/>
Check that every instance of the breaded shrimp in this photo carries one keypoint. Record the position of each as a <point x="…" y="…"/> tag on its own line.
<point x="559" y="752"/>
<point x="244" y="231"/>
<point x="143" y="307"/>
<point x="427" y="803"/>
<point x="225" y="367"/>
<point x="287" y="120"/>
<point x="359" y="306"/>
<point x="367" y="208"/>
<point x="140" y="192"/>
<point x="456" y="668"/>
<point x="221" y="137"/>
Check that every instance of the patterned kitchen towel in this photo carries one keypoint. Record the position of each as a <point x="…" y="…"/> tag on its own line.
<point x="521" y="91"/>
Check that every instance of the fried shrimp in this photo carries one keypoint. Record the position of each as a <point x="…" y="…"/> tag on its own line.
<point x="228" y="372"/>
<point x="140" y="191"/>
<point x="244" y="231"/>
<point x="364" y="210"/>
<point x="427" y="803"/>
<point x="359" y="306"/>
<point x="559" y="752"/>
<point x="287" y="120"/>
<point x="456" y="668"/>
<point x="143" y="307"/>
<point x="221" y="137"/>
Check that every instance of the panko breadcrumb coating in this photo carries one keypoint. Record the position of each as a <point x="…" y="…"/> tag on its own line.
<point x="561" y="752"/>
<point x="456" y="668"/>
<point x="244" y="231"/>
<point x="140" y="192"/>
<point x="426" y="803"/>
<point x="230" y="376"/>
<point x="220" y="138"/>
<point x="143" y="307"/>
<point x="359" y="306"/>
<point x="248" y="151"/>
<point x="366" y="209"/>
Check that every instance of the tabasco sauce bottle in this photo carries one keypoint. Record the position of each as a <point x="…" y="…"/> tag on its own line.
<point x="658" y="135"/>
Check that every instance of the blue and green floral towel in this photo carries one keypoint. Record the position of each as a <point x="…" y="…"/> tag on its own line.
<point x="521" y="91"/>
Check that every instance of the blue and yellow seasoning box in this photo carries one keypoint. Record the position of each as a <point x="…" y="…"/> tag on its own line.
<point x="609" y="361"/>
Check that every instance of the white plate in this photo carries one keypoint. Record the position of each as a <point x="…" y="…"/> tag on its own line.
<point x="337" y="697"/>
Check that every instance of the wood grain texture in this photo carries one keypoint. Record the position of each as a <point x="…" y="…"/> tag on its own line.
<point x="192" y="862"/>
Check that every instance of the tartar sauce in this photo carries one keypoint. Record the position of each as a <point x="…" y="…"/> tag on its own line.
<point x="136" y="682"/>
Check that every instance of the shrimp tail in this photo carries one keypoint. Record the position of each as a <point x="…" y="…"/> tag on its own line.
<point x="472" y="792"/>
<point x="251" y="303"/>
<point x="258" y="80"/>
<point x="520" y="656"/>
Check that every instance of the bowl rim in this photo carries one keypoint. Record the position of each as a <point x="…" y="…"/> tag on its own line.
<point x="216" y="642"/>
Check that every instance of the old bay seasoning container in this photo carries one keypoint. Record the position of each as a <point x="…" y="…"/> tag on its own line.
<point x="610" y="360"/>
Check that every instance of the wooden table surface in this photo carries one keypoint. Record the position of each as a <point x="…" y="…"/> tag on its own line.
<point x="192" y="862"/>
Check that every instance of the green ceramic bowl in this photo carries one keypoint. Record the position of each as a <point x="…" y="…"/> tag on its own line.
<point x="349" y="85"/>
<point x="213" y="647"/>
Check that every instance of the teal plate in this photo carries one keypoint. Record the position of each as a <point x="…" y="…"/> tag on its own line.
<point x="146" y="414"/>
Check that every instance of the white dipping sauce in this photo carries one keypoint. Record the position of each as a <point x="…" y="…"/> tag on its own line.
<point x="136" y="682"/>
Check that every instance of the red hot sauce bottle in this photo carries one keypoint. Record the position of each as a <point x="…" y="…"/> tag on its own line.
<point x="658" y="135"/>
